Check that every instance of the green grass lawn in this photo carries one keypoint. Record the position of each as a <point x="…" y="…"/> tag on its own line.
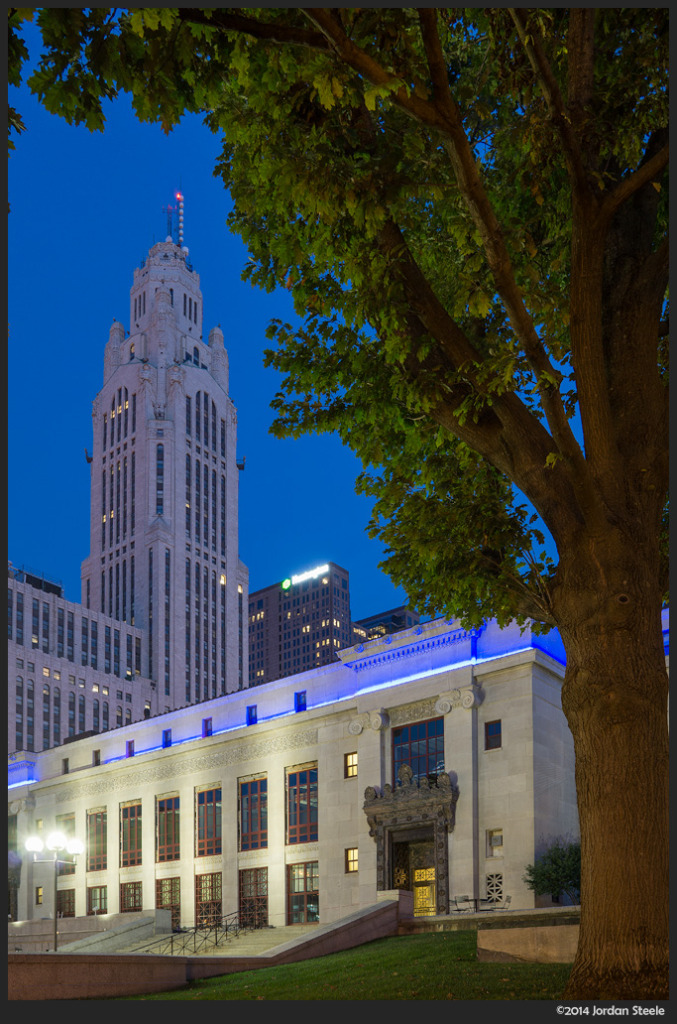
<point x="430" y="965"/>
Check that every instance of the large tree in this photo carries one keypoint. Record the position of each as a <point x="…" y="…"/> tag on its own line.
<point x="470" y="209"/>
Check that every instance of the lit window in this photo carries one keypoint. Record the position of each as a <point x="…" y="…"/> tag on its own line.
<point x="351" y="859"/>
<point x="350" y="765"/>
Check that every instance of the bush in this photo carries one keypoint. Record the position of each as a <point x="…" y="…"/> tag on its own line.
<point x="557" y="871"/>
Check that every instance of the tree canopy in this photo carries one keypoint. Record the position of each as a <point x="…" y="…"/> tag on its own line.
<point x="410" y="175"/>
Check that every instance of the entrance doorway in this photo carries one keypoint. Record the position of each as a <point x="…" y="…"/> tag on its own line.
<point x="413" y="868"/>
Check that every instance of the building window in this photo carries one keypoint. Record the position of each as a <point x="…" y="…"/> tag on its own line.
<point x="253" y="897"/>
<point x="168" y="897"/>
<point x="495" y="842"/>
<point x="131" y="901"/>
<point x="303" y="901"/>
<point x="253" y="814"/>
<point x="38" y="895"/>
<point x="208" y="906"/>
<point x="97" y="900"/>
<point x="130" y="834"/>
<point x="96" y="841"/>
<point x="208" y="831"/>
<point x="350" y="765"/>
<point x="302" y="804"/>
<point x="492" y="735"/>
<point x="167" y="829"/>
<point x="421" y="747"/>
<point x="351" y="859"/>
<point x="65" y="902"/>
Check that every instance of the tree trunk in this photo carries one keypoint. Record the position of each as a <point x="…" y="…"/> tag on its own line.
<point x="615" y="699"/>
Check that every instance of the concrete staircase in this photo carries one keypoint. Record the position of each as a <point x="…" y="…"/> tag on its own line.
<point x="247" y="943"/>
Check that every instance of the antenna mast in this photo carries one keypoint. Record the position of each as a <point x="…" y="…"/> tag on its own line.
<point x="179" y="196"/>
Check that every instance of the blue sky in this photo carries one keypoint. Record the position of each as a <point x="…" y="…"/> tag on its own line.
<point x="84" y="210"/>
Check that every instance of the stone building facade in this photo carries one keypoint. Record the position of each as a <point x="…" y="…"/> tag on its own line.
<point x="435" y="760"/>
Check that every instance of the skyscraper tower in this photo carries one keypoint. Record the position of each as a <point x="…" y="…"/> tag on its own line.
<point x="164" y="488"/>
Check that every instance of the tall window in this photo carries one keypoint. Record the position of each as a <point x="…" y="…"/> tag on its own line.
<point x="96" y="841"/>
<point x="303" y="900"/>
<point x="20" y="619"/>
<point x="159" y="479"/>
<point x="130" y="834"/>
<point x="131" y="900"/>
<point x="167" y="829"/>
<point x="19" y="740"/>
<point x="253" y="803"/>
<point x="65" y="902"/>
<point x="302" y="804"/>
<point x="421" y="746"/>
<point x="97" y="900"/>
<point x="168" y="897"/>
<point x="208" y="905"/>
<point x="208" y="822"/>
<point x="253" y="897"/>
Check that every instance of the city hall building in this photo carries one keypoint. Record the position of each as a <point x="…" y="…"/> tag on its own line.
<point x="435" y="760"/>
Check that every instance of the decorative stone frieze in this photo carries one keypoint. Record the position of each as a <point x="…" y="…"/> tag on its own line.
<point x="414" y="712"/>
<point x="175" y="768"/>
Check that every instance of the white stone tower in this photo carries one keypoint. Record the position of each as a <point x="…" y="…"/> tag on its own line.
<point x="164" y="489"/>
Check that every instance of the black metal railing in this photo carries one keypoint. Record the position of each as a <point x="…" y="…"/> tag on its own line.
<point x="207" y="934"/>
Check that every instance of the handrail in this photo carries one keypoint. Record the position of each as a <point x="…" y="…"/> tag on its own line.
<point x="209" y="934"/>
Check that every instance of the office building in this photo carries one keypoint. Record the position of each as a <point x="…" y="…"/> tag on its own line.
<point x="299" y="623"/>
<point x="383" y="623"/>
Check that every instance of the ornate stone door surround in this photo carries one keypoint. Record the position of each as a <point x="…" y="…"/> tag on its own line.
<point x="401" y="810"/>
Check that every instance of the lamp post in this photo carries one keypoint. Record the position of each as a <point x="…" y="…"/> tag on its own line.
<point x="56" y="843"/>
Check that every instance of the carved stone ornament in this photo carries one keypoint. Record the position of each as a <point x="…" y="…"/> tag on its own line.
<point x="466" y="698"/>
<point x="379" y="720"/>
<point x="415" y="799"/>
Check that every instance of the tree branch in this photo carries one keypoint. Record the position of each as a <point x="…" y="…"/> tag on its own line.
<point x="626" y="188"/>
<point x="445" y="118"/>
<point x="553" y="97"/>
<point x="272" y="31"/>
